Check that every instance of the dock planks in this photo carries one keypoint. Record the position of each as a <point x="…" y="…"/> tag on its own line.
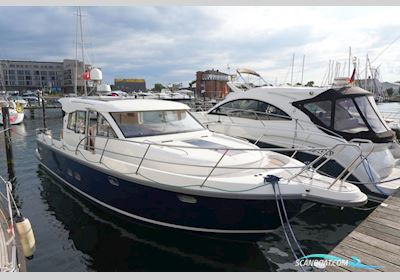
<point x="376" y="241"/>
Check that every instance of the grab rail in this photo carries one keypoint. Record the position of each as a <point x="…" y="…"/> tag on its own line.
<point x="329" y="152"/>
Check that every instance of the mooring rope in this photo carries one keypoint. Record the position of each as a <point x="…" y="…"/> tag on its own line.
<point x="274" y="181"/>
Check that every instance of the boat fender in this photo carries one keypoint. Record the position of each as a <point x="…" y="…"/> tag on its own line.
<point x="18" y="107"/>
<point x="62" y="134"/>
<point x="26" y="236"/>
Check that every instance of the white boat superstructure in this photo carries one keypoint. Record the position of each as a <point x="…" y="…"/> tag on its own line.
<point x="157" y="150"/>
<point x="309" y="117"/>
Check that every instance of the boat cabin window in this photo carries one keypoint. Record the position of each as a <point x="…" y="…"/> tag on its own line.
<point x="151" y="123"/>
<point x="350" y="112"/>
<point x="77" y="122"/>
<point x="71" y="121"/>
<point x="322" y="110"/>
<point x="366" y="106"/>
<point x="80" y="122"/>
<point x="347" y="117"/>
<point x="104" y="128"/>
<point x="251" y="109"/>
<point x="99" y="126"/>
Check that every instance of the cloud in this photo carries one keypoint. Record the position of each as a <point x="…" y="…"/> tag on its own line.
<point x="169" y="44"/>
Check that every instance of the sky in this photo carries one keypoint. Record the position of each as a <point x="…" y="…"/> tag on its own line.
<point x="168" y="44"/>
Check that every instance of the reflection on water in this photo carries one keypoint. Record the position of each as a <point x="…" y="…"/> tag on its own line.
<point x="73" y="234"/>
<point x="112" y="243"/>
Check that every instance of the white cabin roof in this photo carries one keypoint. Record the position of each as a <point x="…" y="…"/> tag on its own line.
<point x="266" y="92"/>
<point x="118" y="104"/>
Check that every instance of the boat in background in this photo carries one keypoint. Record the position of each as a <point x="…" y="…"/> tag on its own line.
<point x="16" y="111"/>
<point x="311" y="117"/>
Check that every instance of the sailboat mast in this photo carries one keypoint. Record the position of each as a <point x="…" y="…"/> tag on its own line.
<point x="291" y="76"/>
<point x="349" y="61"/>
<point x="302" y="70"/>
<point x="83" y="51"/>
<point x="76" y="54"/>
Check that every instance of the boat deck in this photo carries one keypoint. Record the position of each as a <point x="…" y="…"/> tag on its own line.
<point x="376" y="241"/>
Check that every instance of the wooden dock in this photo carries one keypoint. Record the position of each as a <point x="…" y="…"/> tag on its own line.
<point x="376" y="241"/>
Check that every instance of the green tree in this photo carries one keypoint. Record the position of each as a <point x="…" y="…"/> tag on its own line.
<point x="310" y="84"/>
<point x="158" y="87"/>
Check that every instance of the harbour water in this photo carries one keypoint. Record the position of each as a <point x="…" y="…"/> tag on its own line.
<point x="73" y="234"/>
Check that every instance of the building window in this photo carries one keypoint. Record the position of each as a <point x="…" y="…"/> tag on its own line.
<point x="27" y="72"/>
<point x="20" y="72"/>
<point x="28" y="78"/>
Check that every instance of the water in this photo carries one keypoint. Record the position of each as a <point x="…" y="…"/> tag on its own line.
<point x="73" y="234"/>
<point x="391" y="106"/>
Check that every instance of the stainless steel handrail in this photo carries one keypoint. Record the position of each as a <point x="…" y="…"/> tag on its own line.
<point x="324" y="151"/>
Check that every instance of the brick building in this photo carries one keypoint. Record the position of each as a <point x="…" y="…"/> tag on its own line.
<point x="211" y="84"/>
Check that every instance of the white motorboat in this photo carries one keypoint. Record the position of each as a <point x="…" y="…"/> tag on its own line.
<point x="310" y="117"/>
<point x="151" y="160"/>
<point x="16" y="111"/>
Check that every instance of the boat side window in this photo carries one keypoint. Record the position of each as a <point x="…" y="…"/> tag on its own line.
<point x="322" y="110"/>
<point x="365" y="104"/>
<point x="71" y="121"/>
<point x="347" y="117"/>
<point x="92" y="123"/>
<point x="104" y="128"/>
<point x="270" y="112"/>
<point x="251" y="109"/>
<point x="80" y="122"/>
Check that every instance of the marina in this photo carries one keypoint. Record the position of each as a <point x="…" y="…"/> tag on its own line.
<point x="108" y="163"/>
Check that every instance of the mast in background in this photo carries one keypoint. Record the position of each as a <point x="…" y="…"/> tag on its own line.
<point x="302" y="69"/>
<point x="291" y="76"/>
<point x="76" y="54"/>
<point x="83" y="50"/>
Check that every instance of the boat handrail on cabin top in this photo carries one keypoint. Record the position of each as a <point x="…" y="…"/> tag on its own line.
<point x="330" y="153"/>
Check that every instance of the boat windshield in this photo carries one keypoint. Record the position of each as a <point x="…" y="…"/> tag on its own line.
<point x="152" y="123"/>
<point x="349" y="119"/>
